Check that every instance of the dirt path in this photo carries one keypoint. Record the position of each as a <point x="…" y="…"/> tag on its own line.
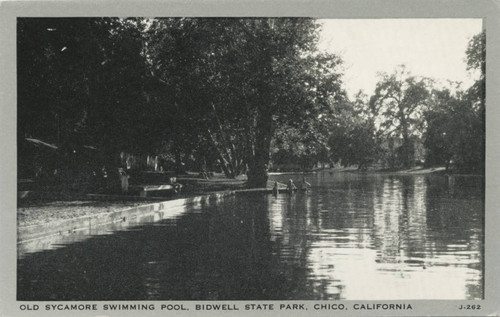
<point x="59" y="210"/>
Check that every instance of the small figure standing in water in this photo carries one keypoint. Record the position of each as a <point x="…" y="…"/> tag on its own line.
<point x="305" y="185"/>
<point x="291" y="186"/>
<point x="123" y="179"/>
<point x="275" y="189"/>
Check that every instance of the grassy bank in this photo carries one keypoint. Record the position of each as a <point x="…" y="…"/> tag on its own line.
<point x="416" y="170"/>
<point x="441" y="170"/>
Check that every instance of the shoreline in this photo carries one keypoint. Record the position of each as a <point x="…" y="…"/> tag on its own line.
<point x="33" y="212"/>
<point x="51" y="207"/>
<point x="43" y="235"/>
<point x="412" y="171"/>
<point x="441" y="170"/>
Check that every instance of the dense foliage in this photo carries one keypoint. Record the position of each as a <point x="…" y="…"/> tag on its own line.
<point x="213" y="91"/>
<point x="455" y="134"/>
<point x="399" y="102"/>
<point x="235" y="94"/>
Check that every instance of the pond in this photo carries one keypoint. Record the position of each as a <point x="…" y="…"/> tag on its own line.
<point x="352" y="236"/>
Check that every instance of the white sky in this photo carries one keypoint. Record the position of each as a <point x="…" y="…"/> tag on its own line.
<point x="428" y="47"/>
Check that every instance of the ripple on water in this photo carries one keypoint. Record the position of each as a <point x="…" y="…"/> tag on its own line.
<point x="352" y="237"/>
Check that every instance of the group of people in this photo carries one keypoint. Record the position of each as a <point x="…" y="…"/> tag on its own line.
<point x="291" y="187"/>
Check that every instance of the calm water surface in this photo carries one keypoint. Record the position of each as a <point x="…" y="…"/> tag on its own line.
<point x="353" y="236"/>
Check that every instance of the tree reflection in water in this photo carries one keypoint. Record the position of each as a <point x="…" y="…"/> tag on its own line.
<point x="353" y="236"/>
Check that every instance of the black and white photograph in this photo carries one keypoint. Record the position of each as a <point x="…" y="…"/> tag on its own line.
<point x="295" y="164"/>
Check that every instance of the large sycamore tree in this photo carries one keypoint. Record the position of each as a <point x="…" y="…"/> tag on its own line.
<point x="229" y="84"/>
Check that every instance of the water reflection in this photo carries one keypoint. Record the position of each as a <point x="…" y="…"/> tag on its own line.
<point x="353" y="236"/>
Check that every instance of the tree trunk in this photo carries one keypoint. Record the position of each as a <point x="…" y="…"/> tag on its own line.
<point x="226" y="165"/>
<point x="179" y="168"/>
<point x="259" y="163"/>
<point x="407" y="151"/>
